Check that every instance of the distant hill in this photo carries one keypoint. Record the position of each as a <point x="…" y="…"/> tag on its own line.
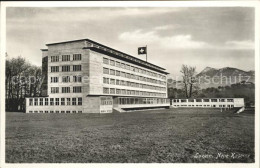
<point x="227" y="71"/>
<point x="212" y="77"/>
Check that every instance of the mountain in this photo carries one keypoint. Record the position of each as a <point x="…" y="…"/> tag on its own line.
<point x="212" y="77"/>
<point x="227" y="71"/>
<point x="208" y="71"/>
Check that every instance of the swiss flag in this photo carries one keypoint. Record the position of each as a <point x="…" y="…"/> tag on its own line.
<point x="141" y="50"/>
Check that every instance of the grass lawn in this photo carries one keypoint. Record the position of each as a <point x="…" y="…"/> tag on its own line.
<point x="172" y="135"/>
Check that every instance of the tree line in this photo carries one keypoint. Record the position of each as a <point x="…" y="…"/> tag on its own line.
<point x="22" y="79"/>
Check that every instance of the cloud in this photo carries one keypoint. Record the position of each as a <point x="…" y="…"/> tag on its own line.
<point x="82" y="14"/>
<point x="182" y="41"/>
<point x="164" y="27"/>
<point x="243" y="45"/>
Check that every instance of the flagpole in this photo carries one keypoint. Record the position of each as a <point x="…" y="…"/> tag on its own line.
<point x="146" y="53"/>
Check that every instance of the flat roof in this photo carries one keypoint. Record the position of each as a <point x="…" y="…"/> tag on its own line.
<point x="130" y="57"/>
<point x="125" y="59"/>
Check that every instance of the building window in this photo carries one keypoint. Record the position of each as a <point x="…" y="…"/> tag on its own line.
<point x="66" y="79"/>
<point x="112" y="72"/>
<point x="30" y="102"/>
<point x="127" y="75"/>
<point x="123" y="65"/>
<point x="112" y="81"/>
<point x="68" y="101"/>
<point x="74" y="103"/>
<point x="46" y="101"/>
<point x="221" y="100"/>
<point x="54" y="79"/>
<point x="41" y="101"/>
<point x="77" y="78"/>
<point x="117" y="73"/>
<point x="127" y="67"/>
<point x="117" y="82"/>
<point x="65" y="68"/>
<point x="106" y="90"/>
<point x="106" y="80"/>
<point x="118" y="64"/>
<point x="118" y="91"/>
<point x="51" y="101"/>
<point x="77" y="89"/>
<point x="112" y="62"/>
<point x="105" y="71"/>
<point x="62" y="101"/>
<point x="214" y="100"/>
<point x="57" y="101"/>
<point x="123" y="91"/>
<point x="112" y="91"/>
<point x="65" y="89"/>
<point x="230" y="100"/>
<point x="54" y="68"/>
<point x="76" y="57"/>
<point x="54" y="58"/>
<point x="76" y="67"/>
<point x="54" y="89"/>
<point x="123" y="74"/>
<point x="79" y="101"/>
<point x="105" y="61"/>
<point x="65" y="57"/>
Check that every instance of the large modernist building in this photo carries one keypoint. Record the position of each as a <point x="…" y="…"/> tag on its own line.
<point x="83" y="76"/>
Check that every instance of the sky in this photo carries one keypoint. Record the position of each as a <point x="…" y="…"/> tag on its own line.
<point x="202" y="37"/>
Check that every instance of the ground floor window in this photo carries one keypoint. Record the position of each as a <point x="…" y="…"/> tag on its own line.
<point x="36" y="102"/>
<point x="30" y="102"/>
<point x="46" y="101"/>
<point x="57" y="101"/>
<point x="106" y="101"/>
<point x="51" y="101"/>
<point x="62" y="101"/>
<point x="68" y="101"/>
<point x="74" y="101"/>
<point x="79" y="101"/>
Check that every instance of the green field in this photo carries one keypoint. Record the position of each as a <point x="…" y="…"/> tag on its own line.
<point x="173" y="135"/>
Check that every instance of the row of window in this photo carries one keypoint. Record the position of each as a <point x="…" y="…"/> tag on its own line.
<point x="204" y="100"/>
<point x="55" y="101"/>
<point x="66" y="79"/>
<point x="132" y="76"/>
<point x="132" y="68"/>
<point x="57" y="111"/>
<point x="76" y="57"/>
<point x="130" y="100"/>
<point x="131" y="92"/>
<point x="75" y="89"/>
<point x="131" y="84"/>
<point x="184" y="105"/>
<point x="65" y="68"/>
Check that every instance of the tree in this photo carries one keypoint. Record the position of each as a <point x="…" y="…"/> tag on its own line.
<point x="18" y="83"/>
<point x="190" y="85"/>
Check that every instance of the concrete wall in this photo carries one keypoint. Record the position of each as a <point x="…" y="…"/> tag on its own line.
<point x="92" y="104"/>
<point x="95" y="73"/>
